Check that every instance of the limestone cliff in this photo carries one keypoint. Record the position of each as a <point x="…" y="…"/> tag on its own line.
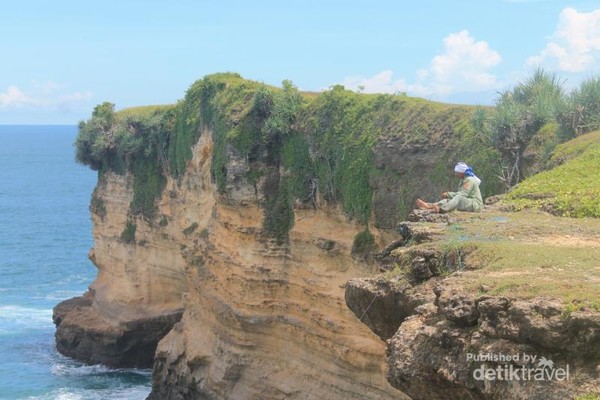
<point x="267" y="320"/>
<point x="260" y="319"/>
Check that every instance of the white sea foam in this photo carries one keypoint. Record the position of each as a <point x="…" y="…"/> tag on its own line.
<point x="131" y="393"/>
<point x="67" y="367"/>
<point x="12" y="316"/>
<point x="60" y="295"/>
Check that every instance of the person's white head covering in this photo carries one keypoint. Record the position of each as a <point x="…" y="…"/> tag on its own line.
<point x="461" y="167"/>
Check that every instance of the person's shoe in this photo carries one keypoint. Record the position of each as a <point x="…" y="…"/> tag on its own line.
<point x="421" y="205"/>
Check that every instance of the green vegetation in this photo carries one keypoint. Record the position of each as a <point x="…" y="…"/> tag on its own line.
<point x="364" y="243"/>
<point x="528" y="254"/>
<point x="526" y="270"/>
<point x="190" y="229"/>
<point x="128" y="235"/>
<point x="343" y="127"/>
<point x="324" y="142"/>
<point x="132" y="139"/>
<point x="571" y="189"/>
<point x="582" y="112"/>
<point x="279" y="214"/>
<point x="588" y="396"/>
<point x="97" y="205"/>
<point x="148" y="184"/>
<point x="574" y="148"/>
<point x="529" y="120"/>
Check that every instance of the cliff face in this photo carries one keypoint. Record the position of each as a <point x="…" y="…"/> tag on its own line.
<point x="260" y="319"/>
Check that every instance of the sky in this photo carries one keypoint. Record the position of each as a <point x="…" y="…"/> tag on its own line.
<point x="60" y="58"/>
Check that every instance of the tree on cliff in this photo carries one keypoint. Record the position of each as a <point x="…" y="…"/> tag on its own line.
<point x="518" y="115"/>
<point x="96" y="139"/>
<point x="536" y="107"/>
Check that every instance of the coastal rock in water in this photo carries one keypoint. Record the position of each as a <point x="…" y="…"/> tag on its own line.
<point x="84" y="334"/>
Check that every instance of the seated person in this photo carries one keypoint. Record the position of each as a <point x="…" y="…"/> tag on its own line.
<point x="467" y="198"/>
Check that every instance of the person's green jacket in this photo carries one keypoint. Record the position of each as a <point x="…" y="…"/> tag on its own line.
<point x="469" y="188"/>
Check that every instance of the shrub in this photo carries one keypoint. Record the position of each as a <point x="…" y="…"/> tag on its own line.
<point x="128" y="235"/>
<point x="279" y="214"/>
<point x="132" y="139"/>
<point x="97" y="205"/>
<point x="519" y="114"/>
<point x="364" y="243"/>
<point x="190" y="229"/>
<point x="582" y="112"/>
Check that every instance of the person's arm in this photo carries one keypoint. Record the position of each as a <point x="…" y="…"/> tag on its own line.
<point x="464" y="190"/>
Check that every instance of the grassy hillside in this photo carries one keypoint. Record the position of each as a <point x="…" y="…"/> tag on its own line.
<point x="572" y="187"/>
<point x="529" y="252"/>
<point x="297" y="145"/>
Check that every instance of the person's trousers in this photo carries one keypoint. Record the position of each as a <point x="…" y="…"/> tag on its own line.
<point x="460" y="203"/>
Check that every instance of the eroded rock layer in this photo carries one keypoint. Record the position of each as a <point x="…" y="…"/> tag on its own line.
<point x="261" y="318"/>
<point x="448" y="342"/>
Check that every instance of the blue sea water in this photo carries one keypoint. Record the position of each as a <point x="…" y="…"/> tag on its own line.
<point x="45" y="236"/>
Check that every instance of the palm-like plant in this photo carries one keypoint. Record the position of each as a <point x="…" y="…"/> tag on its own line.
<point x="582" y="111"/>
<point x="519" y="114"/>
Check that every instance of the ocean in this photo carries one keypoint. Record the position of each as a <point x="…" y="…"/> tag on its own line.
<point x="45" y="236"/>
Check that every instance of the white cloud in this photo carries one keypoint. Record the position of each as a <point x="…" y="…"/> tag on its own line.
<point x="382" y="82"/>
<point x="46" y="95"/>
<point x="463" y="66"/>
<point x="575" y="45"/>
<point x="13" y="97"/>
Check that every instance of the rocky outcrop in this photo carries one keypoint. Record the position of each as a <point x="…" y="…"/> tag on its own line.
<point x="261" y="318"/>
<point x="495" y="348"/>
<point x="136" y="298"/>
<point x="453" y="343"/>
<point x="383" y="303"/>
<point x="85" y="334"/>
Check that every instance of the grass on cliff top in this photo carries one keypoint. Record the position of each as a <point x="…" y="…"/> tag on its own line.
<point x="571" y="189"/>
<point x="528" y="254"/>
<point x="536" y="251"/>
<point x="145" y="111"/>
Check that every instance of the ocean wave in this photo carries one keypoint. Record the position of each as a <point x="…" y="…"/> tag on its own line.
<point x="61" y="295"/>
<point x="66" y="367"/>
<point x="130" y="393"/>
<point x="12" y="316"/>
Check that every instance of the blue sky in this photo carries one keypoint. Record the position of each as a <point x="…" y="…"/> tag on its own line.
<point x="60" y="58"/>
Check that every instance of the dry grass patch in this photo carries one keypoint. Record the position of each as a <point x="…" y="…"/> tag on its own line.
<point x="529" y="254"/>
